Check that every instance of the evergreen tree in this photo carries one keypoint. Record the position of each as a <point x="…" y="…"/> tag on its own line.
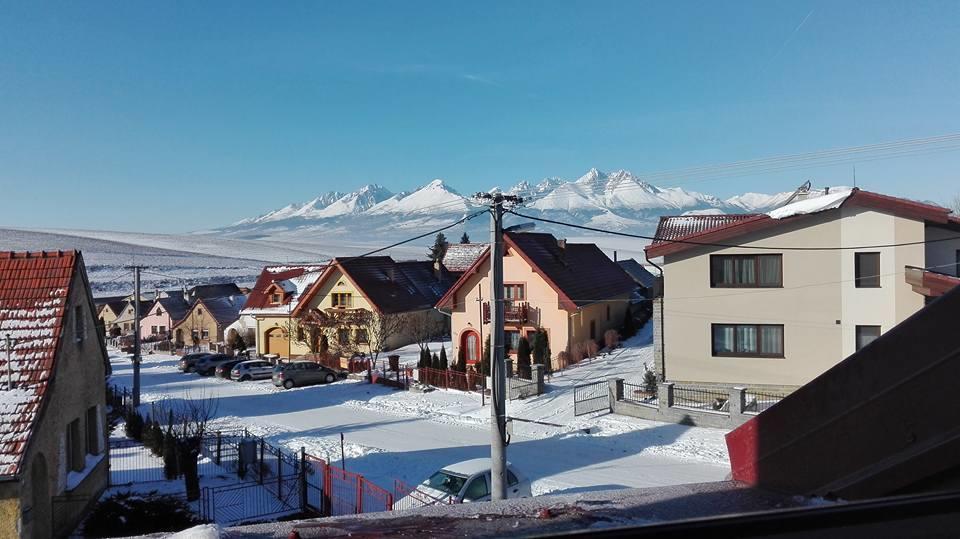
<point x="462" y="359"/>
<point x="444" y="364"/>
<point x="134" y="426"/>
<point x="649" y="381"/>
<point x="465" y="238"/>
<point x="435" y="254"/>
<point x="523" y="358"/>
<point x="539" y="347"/>
<point x="485" y="360"/>
<point x="435" y="363"/>
<point x="424" y="359"/>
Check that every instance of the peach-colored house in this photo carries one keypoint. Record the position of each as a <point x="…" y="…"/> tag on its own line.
<point x="572" y="291"/>
<point x="162" y="315"/>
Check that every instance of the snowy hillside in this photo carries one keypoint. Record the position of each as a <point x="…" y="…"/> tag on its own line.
<point x="617" y="200"/>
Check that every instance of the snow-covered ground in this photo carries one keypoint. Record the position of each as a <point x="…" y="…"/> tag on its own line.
<point x="405" y="435"/>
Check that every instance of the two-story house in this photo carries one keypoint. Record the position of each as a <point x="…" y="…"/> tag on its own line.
<point x="206" y="320"/>
<point x="570" y="290"/>
<point x="53" y="425"/>
<point x="108" y="309"/>
<point x="270" y="304"/>
<point x="778" y="298"/>
<point x="164" y="313"/>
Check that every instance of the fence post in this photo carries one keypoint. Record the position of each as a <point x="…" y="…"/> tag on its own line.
<point x="279" y="474"/>
<point x="218" y="448"/>
<point x="615" y="390"/>
<point x="536" y="373"/>
<point x="260" y="464"/>
<point x="737" y="400"/>
<point x="359" y="494"/>
<point x="326" y="481"/>
<point x="303" y="479"/>
<point x="509" y="364"/>
<point x="665" y="395"/>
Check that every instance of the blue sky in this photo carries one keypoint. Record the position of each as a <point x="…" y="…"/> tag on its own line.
<point x="218" y="111"/>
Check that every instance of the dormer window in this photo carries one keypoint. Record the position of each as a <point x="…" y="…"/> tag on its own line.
<point x="341" y="300"/>
<point x="276" y="298"/>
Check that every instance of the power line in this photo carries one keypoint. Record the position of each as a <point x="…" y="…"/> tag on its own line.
<point x="730" y="245"/>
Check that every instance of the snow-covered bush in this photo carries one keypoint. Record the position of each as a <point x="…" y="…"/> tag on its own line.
<point x="126" y="513"/>
<point x="611" y="338"/>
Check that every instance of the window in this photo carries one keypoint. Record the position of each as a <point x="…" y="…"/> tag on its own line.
<point x="867" y="270"/>
<point x="511" y="293"/>
<point x="163" y="329"/>
<point x="276" y="298"/>
<point x="608" y="312"/>
<point x="866" y="335"/>
<point x="472" y="343"/>
<point x="593" y="330"/>
<point x="747" y="340"/>
<point x="511" y="479"/>
<point x="343" y="336"/>
<point x="361" y="336"/>
<point x="93" y="431"/>
<point x="341" y="300"/>
<point x="159" y="311"/>
<point x="476" y="489"/>
<point x="205" y="334"/>
<point x="511" y="341"/>
<point x="75" y="460"/>
<point x="153" y="330"/>
<point x="78" y="325"/>
<point x="300" y="333"/>
<point x="746" y="271"/>
<point x="199" y="312"/>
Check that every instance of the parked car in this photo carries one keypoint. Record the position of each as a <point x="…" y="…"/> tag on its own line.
<point x="189" y="361"/>
<point x="206" y="365"/>
<point x="223" y="369"/>
<point x="303" y="373"/>
<point x="255" y="369"/>
<point x="468" y="481"/>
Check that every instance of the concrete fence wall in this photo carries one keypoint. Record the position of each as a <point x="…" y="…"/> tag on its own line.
<point x="521" y="388"/>
<point x="731" y="415"/>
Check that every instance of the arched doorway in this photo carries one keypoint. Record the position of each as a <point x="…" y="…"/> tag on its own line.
<point x="470" y="344"/>
<point x="277" y="342"/>
<point x="40" y="521"/>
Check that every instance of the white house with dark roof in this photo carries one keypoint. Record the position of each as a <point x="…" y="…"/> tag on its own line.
<point x="754" y="300"/>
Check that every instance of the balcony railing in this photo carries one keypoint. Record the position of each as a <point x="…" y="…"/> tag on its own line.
<point x="517" y="312"/>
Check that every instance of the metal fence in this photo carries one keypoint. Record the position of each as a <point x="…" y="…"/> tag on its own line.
<point x="251" y="501"/>
<point x="759" y="401"/>
<point x="592" y="397"/>
<point x="521" y="388"/>
<point x="449" y="379"/>
<point x="637" y="394"/>
<point x="701" y="398"/>
<point x="407" y="497"/>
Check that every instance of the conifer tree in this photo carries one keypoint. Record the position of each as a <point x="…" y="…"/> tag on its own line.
<point x="465" y="238"/>
<point x="435" y="254"/>
<point x="444" y="364"/>
<point x="523" y="358"/>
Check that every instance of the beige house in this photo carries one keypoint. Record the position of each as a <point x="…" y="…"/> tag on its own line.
<point x="760" y="307"/>
<point x="108" y="310"/>
<point x="206" y="320"/>
<point x="572" y="291"/>
<point x="53" y="435"/>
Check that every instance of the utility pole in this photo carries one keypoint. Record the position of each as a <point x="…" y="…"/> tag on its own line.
<point x="498" y="369"/>
<point x="136" y="335"/>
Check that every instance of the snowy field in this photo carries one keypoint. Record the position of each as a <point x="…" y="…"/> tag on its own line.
<point x="405" y="435"/>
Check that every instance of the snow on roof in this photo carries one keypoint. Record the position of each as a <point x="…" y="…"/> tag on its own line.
<point x="816" y="204"/>
<point x="460" y="256"/>
<point x="676" y="227"/>
<point x="33" y="292"/>
<point x="294" y="280"/>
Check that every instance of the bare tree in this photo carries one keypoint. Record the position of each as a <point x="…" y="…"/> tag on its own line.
<point x="192" y="418"/>
<point x="308" y="329"/>
<point x="955" y="204"/>
<point x="379" y="328"/>
<point x="423" y="328"/>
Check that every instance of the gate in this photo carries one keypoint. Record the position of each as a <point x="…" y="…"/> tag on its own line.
<point x="251" y="501"/>
<point x="592" y="397"/>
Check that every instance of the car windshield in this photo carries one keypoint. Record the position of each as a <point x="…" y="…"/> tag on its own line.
<point x="447" y="482"/>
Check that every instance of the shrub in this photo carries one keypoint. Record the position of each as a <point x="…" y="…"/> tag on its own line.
<point x="578" y="353"/>
<point x="485" y="359"/>
<point x="170" y="465"/>
<point x="435" y="362"/>
<point x="611" y="338"/>
<point x="564" y="359"/>
<point x="523" y="358"/>
<point x="443" y="358"/>
<point x="592" y="348"/>
<point x="134" y="426"/>
<point x="462" y="359"/>
<point x="649" y="381"/>
<point x="126" y="513"/>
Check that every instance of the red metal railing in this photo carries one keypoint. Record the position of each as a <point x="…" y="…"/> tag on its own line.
<point x="450" y="379"/>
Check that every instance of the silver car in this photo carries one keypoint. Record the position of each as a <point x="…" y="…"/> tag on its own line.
<point x="254" y="369"/>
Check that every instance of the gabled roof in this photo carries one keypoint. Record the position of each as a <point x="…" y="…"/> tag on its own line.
<point x="205" y="291"/>
<point x="293" y="280"/>
<point x="389" y="286"/>
<point x="34" y="289"/>
<point x="225" y="310"/>
<point x="175" y="306"/>
<point x="680" y="233"/>
<point x="579" y="272"/>
<point x="460" y="256"/>
<point x="116" y="306"/>
<point x="638" y="273"/>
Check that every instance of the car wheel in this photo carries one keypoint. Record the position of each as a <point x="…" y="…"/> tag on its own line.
<point x="188" y="370"/>
<point x="330" y="378"/>
<point x="288" y="384"/>
<point x="245" y="378"/>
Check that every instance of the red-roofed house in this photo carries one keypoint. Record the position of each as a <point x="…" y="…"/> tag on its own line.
<point x="750" y="300"/>
<point x="269" y="306"/>
<point x="53" y="450"/>
<point x="573" y="291"/>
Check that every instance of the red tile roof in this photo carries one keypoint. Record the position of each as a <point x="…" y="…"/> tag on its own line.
<point x="677" y="236"/>
<point x="579" y="272"/>
<point x="34" y="288"/>
<point x="259" y="298"/>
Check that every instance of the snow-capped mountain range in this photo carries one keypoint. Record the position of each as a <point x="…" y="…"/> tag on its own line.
<point x="618" y="200"/>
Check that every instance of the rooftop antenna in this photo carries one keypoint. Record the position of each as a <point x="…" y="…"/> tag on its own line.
<point x="854" y="174"/>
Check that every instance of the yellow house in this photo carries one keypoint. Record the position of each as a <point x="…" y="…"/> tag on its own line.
<point x="271" y="302"/>
<point x="571" y="291"/>
<point x="206" y="320"/>
<point x="108" y="310"/>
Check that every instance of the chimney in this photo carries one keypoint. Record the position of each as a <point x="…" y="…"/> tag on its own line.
<point x="156" y="293"/>
<point x="438" y="270"/>
<point x="186" y="297"/>
<point x="562" y="243"/>
<point x="614" y="256"/>
<point x="826" y="190"/>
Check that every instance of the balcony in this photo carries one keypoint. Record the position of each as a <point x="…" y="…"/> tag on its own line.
<point x="929" y="283"/>
<point x="513" y="313"/>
